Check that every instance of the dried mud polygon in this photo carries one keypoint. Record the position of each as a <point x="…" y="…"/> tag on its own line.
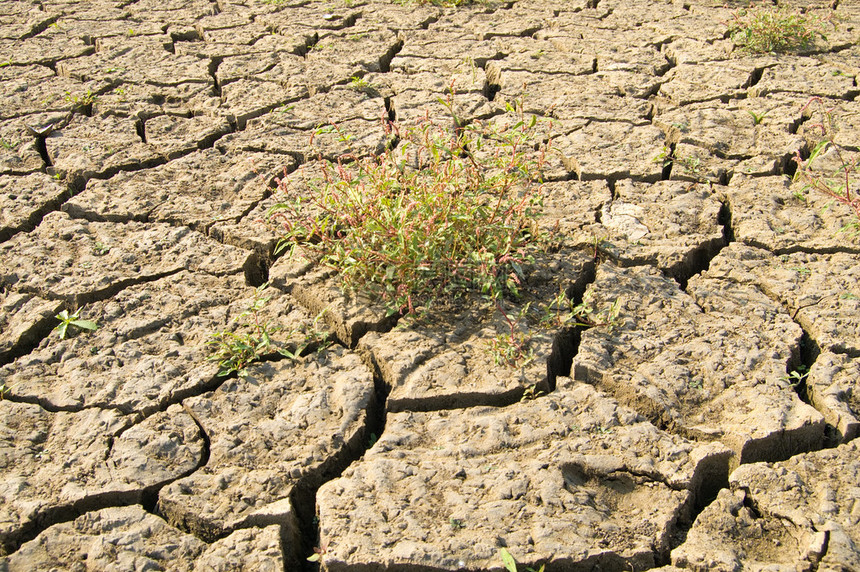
<point x="141" y="147"/>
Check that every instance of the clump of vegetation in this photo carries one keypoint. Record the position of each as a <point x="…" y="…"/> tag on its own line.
<point x="236" y="350"/>
<point x="442" y="213"/>
<point x="768" y="28"/>
<point x="82" y="102"/>
<point x="513" y="348"/>
<point x="841" y="182"/>
<point x="691" y="164"/>
<point x="358" y="83"/>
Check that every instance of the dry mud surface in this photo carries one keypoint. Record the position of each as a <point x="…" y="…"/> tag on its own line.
<point x="141" y="142"/>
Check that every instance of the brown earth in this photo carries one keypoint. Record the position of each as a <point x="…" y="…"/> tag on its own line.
<point x="141" y="145"/>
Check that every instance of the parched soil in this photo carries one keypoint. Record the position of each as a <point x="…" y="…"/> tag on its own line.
<point x="713" y="427"/>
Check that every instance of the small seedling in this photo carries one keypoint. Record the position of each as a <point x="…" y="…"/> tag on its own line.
<point x="758" y="117"/>
<point x="691" y="164"/>
<point x="664" y="156"/>
<point x="8" y="145"/>
<point x="531" y="393"/>
<point x="513" y="348"/>
<point x="318" y="554"/>
<point x="100" y="249"/>
<point x="67" y="320"/>
<point x="456" y="523"/>
<point x="797" y="377"/>
<point x="234" y="351"/>
<point x="5" y="389"/>
<point x="359" y="84"/>
<point x="562" y="312"/>
<point x="600" y="246"/>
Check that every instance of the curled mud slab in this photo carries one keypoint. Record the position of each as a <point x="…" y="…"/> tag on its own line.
<point x="142" y="144"/>
<point x="545" y="478"/>
<point x="129" y="538"/>
<point x="800" y="512"/>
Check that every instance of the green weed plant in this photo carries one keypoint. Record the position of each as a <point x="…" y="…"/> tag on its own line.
<point x="768" y="28"/>
<point x="842" y="182"/>
<point x="254" y="339"/>
<point x="444" y="212"/>
<point x="513" y="348"/>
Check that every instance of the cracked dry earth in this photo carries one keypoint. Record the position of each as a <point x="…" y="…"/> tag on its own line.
<point x="142" y="142"/>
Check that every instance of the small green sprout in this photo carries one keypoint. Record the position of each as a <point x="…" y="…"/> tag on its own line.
<point x="318" y="554"/>
<point x="758" y="117"/>
<point x="531" y="393"/>
<point x="100" y="249"/>
<point x="797" y="376"/>
<point x="5" y="389"/>
<point x="358" y="83"/>
<point x="75" y="320"/>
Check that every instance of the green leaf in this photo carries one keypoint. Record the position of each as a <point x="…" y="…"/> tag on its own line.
<point x="61" y="329"/>
<point x="508" y="560"/>
<point x="288" y="354"/>
<point x="84" y="324"/>
<point x="818" y="150"/>
<point x="518" y="269"/>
